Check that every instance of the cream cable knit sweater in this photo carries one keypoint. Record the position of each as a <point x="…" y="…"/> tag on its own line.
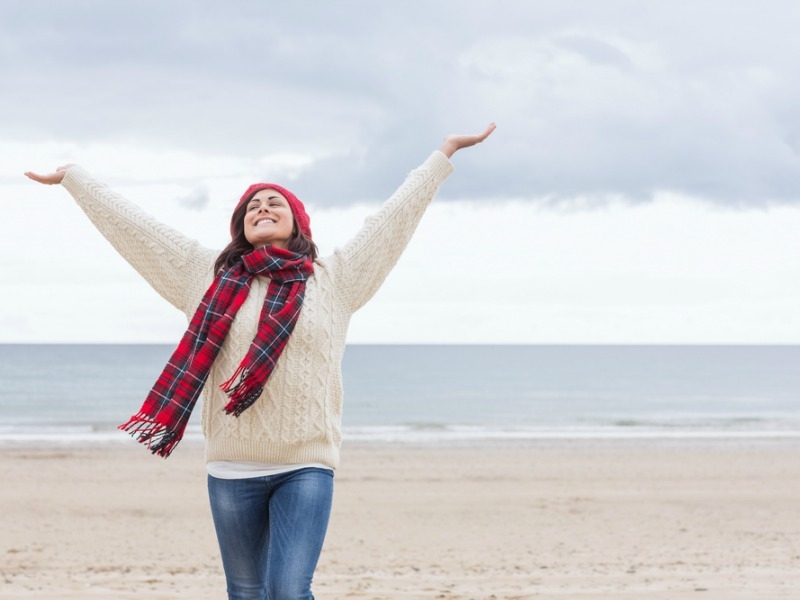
<point x="298" y="417"/>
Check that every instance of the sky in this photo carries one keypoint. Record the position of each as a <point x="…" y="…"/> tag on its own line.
<point x="642" y="186"/>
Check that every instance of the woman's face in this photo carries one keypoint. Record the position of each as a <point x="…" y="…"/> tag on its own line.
<point x="268" y="220"/>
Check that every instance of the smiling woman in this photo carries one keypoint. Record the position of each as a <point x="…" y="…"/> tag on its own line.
<point x="268" y="321"/>
<point x="268" y="220"/>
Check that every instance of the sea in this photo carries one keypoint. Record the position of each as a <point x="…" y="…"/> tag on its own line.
<point x="445" y="393"/>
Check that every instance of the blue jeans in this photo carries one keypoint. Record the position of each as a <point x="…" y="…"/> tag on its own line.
<point x="270" y="532"/>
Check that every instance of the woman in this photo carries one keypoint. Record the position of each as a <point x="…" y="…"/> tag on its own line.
<point x="267" y="330"/>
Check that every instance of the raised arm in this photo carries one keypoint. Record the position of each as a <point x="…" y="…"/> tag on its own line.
<point x="367" y="259"/>
<point x="176" y="266"/>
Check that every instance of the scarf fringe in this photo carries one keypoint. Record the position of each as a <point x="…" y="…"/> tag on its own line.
<point x="243" y="393"/>
<point x="229" y="387"/>
<point x="158" y="438"/>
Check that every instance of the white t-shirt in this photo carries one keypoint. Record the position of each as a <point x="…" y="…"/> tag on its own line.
<point x="235" y="469"/>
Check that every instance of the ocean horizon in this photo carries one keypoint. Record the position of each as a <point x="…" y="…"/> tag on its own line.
<point x="439" y="393"/>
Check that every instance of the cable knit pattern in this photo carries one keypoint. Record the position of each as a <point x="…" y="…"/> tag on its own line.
<point x="298" y="417"/>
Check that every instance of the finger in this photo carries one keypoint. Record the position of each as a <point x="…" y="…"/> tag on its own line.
<point x="487" y="132"/>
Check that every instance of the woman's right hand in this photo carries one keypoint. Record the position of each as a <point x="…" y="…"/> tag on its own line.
<point x="51" y="178"/>
<point x="453" y="143"/>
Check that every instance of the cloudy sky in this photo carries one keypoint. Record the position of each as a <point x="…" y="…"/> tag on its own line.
<point x="643" y="185"/>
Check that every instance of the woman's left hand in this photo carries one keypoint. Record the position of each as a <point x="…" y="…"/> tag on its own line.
<point x="453" y="143"/>
<point x="51" y="178"/>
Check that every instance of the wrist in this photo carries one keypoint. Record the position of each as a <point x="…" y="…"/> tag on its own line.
<point x="448" y="148"/>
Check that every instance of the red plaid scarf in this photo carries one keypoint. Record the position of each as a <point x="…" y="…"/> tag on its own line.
<point x="161" y="421"/>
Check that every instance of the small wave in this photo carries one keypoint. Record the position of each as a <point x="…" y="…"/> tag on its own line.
<point x="73" y="434"/>
<point x="636" y="430"/>
<point x="619" y="428"/>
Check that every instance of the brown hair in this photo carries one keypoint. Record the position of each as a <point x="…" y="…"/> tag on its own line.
<point x="239" y="245"/>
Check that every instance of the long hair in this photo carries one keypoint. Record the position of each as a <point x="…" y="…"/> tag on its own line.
<point x="239" y="245"/>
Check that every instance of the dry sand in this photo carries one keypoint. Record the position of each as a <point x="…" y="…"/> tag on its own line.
<point x="653" y="519"/>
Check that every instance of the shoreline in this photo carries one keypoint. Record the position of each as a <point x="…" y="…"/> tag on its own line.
<point x="443" y="436"/>
<point x="600" y="519"/>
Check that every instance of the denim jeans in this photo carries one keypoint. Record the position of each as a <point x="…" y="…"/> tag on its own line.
<point x="270" y="531"/>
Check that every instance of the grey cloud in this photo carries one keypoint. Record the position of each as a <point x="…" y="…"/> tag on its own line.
<point x="197" y="199"/>
<point x="597" y="51"/>
<point x="617" y="97"/>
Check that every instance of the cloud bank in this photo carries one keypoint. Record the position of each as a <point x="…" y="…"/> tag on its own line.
<point x="594" y="100"/>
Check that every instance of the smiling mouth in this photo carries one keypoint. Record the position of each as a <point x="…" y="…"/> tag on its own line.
<point x="260" y="221"/>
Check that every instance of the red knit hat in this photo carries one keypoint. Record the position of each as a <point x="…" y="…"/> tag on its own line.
<point x="298" y="210"/>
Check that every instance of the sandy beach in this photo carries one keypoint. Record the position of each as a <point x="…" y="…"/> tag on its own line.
<point x="655" y="519"/>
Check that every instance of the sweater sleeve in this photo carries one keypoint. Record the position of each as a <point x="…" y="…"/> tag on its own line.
<point x="176" y="266"/>
<point x="368" y="258"/>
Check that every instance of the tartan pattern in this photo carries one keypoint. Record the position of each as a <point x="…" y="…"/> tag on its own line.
<point x="161" y="421"/>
